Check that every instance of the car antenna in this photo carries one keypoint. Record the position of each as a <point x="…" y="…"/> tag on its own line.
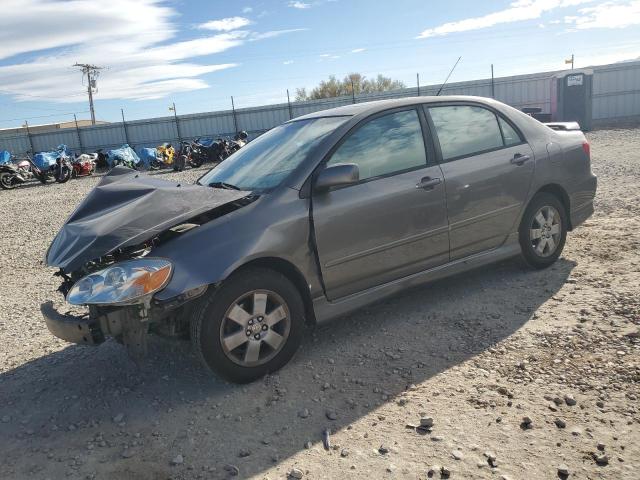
<point x="447" y="79"/>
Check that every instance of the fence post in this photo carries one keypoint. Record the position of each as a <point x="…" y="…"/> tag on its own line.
<point x="353" y="92"/>
<point x="418" y="82"/>
<point x="78" y="133"/>
<point x="235" y="120"/>
<point x="124" y="127"/>
<point x="493" y="87"/>
<point x="289" y="104"/>
<point x="175" y="115"/>
<point x="26" y="124"/>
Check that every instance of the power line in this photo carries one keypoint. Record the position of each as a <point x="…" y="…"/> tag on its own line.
<point x="40" y="116"/>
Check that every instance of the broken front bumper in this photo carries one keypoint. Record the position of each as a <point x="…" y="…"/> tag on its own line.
<point x="72" y="328"/>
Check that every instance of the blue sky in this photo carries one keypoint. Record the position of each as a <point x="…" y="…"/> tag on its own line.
<point x="197" y="53"/>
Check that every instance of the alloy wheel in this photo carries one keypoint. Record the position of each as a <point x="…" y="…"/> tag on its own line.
<point x="255" y="328"/>
<point x="545" y="231"/>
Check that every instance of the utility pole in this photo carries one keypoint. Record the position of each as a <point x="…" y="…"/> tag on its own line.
<point x="418" y="82"/>
<point x="92" y="72"/>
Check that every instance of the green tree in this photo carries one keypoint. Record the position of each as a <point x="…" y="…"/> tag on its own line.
<point x="353" y="82"/>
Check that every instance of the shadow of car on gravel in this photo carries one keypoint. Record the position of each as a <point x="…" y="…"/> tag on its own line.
<point x="85" y="411"/>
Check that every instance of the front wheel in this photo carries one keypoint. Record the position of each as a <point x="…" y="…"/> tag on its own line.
<point x="543" y="230"/>
<point x="7" y="180"/>
<point x="63" y="175"/>
<point x="250" y="326"/>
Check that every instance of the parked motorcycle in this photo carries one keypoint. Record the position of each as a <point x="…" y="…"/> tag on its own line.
<point x="184" y="157"/>
<point x="124" y="156"/>
<point x="209" y="150"/>
<point x="10" y="176"/>
<point x="54" y="165"/>
<point x="232" y="146"/>
<point x="14" y="174"/>
<point x="84" y="164"/>
<point x="165" y="155"/>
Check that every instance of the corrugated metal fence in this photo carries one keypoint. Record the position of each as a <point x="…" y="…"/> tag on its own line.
<point x="616" y="96"/>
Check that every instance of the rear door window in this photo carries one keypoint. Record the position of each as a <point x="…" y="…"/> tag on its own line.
<point x="465" y="130"/>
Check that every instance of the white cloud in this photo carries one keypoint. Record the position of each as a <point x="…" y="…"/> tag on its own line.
<point x="274" y="33"/>
<point x="325" y="55"/>
<point x="299" y="5"/>
<point x="616" y="14"/>
<point x="519" y="10"/>
<point x="287" y="62"/>
<point x="247" y="10"/>
<point x="358" y="50"/>
<point x="134" y="41"/>
<point x="225" y="24"/>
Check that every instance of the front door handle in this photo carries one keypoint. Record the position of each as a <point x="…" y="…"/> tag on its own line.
<point x="519" y="159"/>
<point x="428" y="183"/>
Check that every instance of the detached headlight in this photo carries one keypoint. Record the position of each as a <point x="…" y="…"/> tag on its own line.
<point x="122" y="283"/>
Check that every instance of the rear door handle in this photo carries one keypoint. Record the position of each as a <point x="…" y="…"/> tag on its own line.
<point x="519" y="159"/>
<point x="428" y="183"/>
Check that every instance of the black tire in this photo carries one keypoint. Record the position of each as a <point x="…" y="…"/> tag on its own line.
<point x="64" y="176"/>
<point x="530" y="253"/>
<point x="208" y="316"/>
<point x="7" y="181"/>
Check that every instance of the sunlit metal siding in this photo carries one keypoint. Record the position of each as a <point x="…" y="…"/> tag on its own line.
<point x="152" y="132"/>
<point x="105" y="137"/>
<point x="16" y="144"/>
<point x="616" y="91"/>
<point x="49" y="141"/>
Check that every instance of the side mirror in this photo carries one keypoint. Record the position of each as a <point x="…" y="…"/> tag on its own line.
<point x="336" y="175"/>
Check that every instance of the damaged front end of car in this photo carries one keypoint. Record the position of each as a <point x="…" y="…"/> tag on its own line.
<point x="105" y="256"/>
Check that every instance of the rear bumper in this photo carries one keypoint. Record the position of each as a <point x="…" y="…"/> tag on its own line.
<point x="72" y="328"/>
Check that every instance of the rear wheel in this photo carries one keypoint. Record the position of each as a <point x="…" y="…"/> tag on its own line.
<point x="250" y="326"/>
<point x="543" y="230"/>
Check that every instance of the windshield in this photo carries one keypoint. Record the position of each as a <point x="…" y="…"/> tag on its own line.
<point x="270" y="158"/>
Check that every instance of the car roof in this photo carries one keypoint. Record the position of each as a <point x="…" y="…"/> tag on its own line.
<point x="368" y="108"/>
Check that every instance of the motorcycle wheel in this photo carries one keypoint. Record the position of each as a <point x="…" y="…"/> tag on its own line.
<point x="43" y="177"/>
<point x="7" y="181"/>
<point x="64" y="176"/>
<point x="196" y="162"/>
<point x="154" y="165"/>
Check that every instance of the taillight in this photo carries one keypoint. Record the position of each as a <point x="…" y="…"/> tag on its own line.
<point x="587" y="148"/>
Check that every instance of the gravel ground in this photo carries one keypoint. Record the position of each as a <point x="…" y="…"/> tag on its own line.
<point x="515" y="374"/>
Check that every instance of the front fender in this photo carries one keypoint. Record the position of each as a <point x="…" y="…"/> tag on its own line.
<point x="269" y="227"/>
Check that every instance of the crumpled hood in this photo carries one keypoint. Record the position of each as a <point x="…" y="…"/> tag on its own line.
<point x="127" y="208"/>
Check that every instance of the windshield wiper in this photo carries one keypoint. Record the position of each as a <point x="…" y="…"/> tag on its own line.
<point x="224" y="185"/>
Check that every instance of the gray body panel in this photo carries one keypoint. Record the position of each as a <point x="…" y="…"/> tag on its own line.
<point x="485" y="196"/>
<point x="357" y="244"/>
<point x="394" y="230"/>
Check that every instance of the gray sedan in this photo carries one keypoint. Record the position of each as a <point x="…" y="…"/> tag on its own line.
<point x="314" y="219"/>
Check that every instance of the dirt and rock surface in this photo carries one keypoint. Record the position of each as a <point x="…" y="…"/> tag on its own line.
<point x="502" y="373"/>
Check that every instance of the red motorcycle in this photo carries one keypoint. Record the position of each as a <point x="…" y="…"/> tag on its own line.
<point x="84" y="165"/>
